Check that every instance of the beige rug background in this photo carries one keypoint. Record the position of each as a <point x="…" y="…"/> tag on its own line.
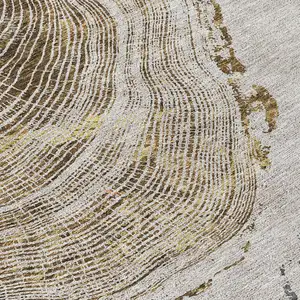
<point x="266" y="40"/>
<point x="262" y="261"/>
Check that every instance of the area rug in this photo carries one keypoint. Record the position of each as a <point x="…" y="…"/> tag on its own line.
<point x="136" y="149"/>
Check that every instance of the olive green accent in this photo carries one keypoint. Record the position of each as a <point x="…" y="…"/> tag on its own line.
<point x="230" y="64"/>
<point x="259" y="100"/>
<point x="246" y="247"/>
<point x="234" y="264"/>
<point x="196" y="291"/>
<point x="82" y="131"/>
<point x="269" y="103"/>
<point x="260" y="153"/>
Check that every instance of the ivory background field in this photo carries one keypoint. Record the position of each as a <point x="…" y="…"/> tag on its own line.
<point x="149" y="149"/>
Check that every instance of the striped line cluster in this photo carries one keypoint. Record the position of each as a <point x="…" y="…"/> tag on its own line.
<point x="122" y="151"/>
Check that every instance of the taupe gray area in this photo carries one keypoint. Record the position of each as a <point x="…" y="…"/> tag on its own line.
<point x="127" y="148"/>
<point x="265" y="38"/>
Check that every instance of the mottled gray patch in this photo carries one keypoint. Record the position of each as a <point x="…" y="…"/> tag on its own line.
<point x="282" y="270"/>
<point x="288" y="291"/>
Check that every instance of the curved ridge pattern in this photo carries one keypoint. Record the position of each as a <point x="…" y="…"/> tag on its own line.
<point x="124" y="144"/>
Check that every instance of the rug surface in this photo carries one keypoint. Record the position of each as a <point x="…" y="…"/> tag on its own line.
<point x="148" y="149"/>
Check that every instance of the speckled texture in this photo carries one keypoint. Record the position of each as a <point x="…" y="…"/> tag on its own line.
<point x="149" y="150"/>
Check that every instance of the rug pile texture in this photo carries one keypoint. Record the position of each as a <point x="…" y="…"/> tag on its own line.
<point x="149" y="149"/>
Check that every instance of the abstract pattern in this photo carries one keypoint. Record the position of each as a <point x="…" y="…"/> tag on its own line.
<point x="125" y="145"/>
